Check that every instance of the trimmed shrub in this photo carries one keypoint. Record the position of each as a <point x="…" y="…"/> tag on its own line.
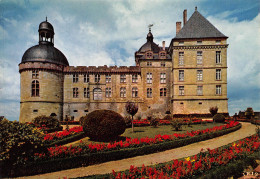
<point x="213" y="110"/>
<point x="19" y="141"/>
<point x="154" y="122"/>
<point x="46" y="122"/>
<point x="103" y="124"/>
<point x="131" y="108"/>
<point x="219" y="118"/>
<point x="176" y="124"/>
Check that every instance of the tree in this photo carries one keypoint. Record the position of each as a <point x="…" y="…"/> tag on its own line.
<point x="131" y="108"/>
<point x="213" y="110"/>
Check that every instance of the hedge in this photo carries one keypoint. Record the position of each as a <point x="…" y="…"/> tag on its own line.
<point x="66" y="140"/>
<point x="53" y="165"/>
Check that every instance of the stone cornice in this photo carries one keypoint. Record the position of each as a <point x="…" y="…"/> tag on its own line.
<point x="199" y="67"/>
<point x="192" y="47"/>
<point x="40" y="66"/>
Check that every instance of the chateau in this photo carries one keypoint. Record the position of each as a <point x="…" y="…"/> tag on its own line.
<point x="188" y="77"/>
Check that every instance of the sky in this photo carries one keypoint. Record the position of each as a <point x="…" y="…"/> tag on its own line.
<point x="99" y="32"/>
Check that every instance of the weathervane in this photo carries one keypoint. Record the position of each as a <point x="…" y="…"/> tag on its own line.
<point x="150" y="25"/>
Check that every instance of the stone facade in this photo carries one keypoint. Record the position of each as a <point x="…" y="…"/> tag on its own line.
<point x="188" y="77"/>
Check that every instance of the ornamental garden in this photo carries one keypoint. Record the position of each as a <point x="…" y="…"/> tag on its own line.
<point x="45" y="146"/>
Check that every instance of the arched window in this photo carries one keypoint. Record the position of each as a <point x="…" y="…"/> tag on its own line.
<point x="35" y="88"/>
<point x="97" y="94"/>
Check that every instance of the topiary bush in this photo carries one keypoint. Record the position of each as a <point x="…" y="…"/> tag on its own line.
<point x="19" y="141"/>
<point x="46" y="122"/>
<point x="176" y="124"/>
<point x="213" y="110"/>
<point x="103" y="125"/>
<point x="219" y="118"/>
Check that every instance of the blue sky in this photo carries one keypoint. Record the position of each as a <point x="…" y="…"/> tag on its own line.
<point x="98" y="32"/>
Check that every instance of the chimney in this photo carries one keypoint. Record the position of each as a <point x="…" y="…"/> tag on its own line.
<point x="163" y="45"/>
<point x="178" y="27"/>
<point x="184" y="17"/>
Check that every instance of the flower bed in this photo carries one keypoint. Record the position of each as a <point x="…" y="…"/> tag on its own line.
<point x="60" y="157"/>
<point x="196" y="165"/>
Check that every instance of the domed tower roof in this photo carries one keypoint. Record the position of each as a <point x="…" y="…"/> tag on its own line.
<point x="149" y="45"/>
<point x="45" y="51"/>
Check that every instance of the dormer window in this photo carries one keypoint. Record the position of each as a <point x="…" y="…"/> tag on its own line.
<point x="149" y="64"/>
<point x="149" y="55"/>
<point x="163" y="55"/>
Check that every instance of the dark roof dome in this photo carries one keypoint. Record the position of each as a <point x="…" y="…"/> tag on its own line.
<point x="149" y="45"/>
<point x="46" y="26"/>
<point x="45" y="53"/>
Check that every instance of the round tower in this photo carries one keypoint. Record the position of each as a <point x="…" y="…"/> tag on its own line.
<point x="41" y="71"/>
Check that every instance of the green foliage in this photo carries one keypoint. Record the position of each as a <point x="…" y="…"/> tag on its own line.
<point x="213" y="110"/>
<point x="103" y="124"/>
<point x="219" y="118"/>
<point x="46" y="121"/>
<point x="168" y="117"/>
<point x="19" y="141"/>
<point x="249" y="113"/>
<point x="176" y="124"/>
<point x="154" y="122"/>
<point x="131" y="108"/>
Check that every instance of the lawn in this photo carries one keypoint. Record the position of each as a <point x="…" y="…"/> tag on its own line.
<point x="149" y="131"/>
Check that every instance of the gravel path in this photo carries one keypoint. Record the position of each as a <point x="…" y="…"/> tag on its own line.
<point x="247" y="129"/>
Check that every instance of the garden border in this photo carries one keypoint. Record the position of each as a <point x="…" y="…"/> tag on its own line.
<point x="53" y="165"/>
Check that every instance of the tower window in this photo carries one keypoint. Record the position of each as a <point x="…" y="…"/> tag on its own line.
<point x="35" y="74"/>
<point x="218" y="74"/>
<point x="134" y="92"/>
<point x="122" y="78"/>
<point x="97" y="78"/>
<point x="35" y="110"/>
<point x="149" y="64"/>
<point x="75" y="78"/>
<point x="163" y="55"/>
<point x="163" y="92"/>
<point x="199" y="90"/>
<point x="108" y="78"/>
<point x="181" y="90"/>
<point x="199" y="75"/>
<point x="97" y="94"/>
<point x="181" y="75"/>
<point x="75" y="92"/>
<point x="149" y="55"/>
<point x="35" y="88"/>
<point x="86" y="78"/>
<point x="218" y="42"/>
<point x="149" y="93"/>
<point x="162" y="64"/>
<point x="199" y="42"/>
<point x="181" y="43"/>
<point x="134" y="78"/>
<point x="181" y="58"/>
<point x="218" y="89"/>
<point x="123" y="92"/>
<point x="108" y="93"/>
<point x="163" y="78"/>
<point x="199" y="57"/>
<point x="218" y="57"/>
<point x="149" y="77"/>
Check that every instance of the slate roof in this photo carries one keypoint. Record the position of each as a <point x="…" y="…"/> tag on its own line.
<point x="199" y="27"/>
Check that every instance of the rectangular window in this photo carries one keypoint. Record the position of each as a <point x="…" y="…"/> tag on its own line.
<point x="86" y="92"/>
<point x="181" y="43"/>
<point x="149" y="77"/>
<point x="163" y="78"/>
<point x="86" y="78"/>
<point x="108" y="78"/>
<point x="35" y="74"/>
<point x="218" y="74"/>
<point x="122" y="78"/>
<point x="108" y="92"/>
<point x="163" y="92"/>
<point x="149" y="64"/>
<point x="123" y="92"/>
<point x="218" y="57"/>
<point x="199" y="57"/>
<point x="134" y="78"/>
<point x="162" y="64"/>
<point x="218" y="42"/>
<point x="162" y="55"/>
<point x="181" y="75"/>
<point x="97" y="78"/>
<point x="75" y="93"/>
<point x="149" y="55"/>
<point x="218" y="89"/>
<point x="75" y="78"/>
<point x="199" y="90"/>
<point x="181" y="58"/>
<point x="181" y="90"/>
<point x="134" y="92"/>
<point x="149" y="93"/>
<point x="199" y="75"/>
